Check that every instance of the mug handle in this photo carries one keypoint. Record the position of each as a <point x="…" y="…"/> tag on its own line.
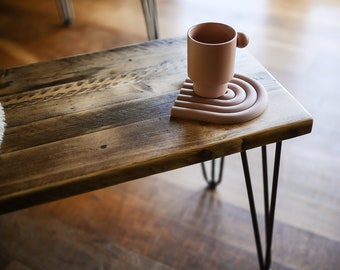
<point x="242" y="40"/>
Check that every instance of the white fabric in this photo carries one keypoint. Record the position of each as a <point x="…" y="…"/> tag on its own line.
<point x="2" y="123"/>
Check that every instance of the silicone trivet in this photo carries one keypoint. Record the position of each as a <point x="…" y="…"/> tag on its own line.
<point x="244" y="100"/>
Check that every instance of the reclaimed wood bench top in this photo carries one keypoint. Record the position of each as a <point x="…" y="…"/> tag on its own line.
<point x="90" y="121"/>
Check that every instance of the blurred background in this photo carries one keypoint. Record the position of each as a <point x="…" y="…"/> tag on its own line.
<point x="170" y="220"/>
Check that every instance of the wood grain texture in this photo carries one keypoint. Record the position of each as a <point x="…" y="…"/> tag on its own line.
<point x="91" y="121"/>
<point x="153" y="221"/>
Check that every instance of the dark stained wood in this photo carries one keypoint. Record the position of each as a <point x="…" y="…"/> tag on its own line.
<point x="95" y="120"/>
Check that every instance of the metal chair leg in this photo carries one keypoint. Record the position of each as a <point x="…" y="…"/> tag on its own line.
<point x="151" y="18"/>
<point x="65" y="10"/>
<point x="269" y="206"/>
<point x="212" y="180"/>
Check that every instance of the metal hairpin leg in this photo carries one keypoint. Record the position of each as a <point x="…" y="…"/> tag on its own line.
<point x="213" y="181"/>
<point x="151" y="18"/>
<point x="269" y="206"/>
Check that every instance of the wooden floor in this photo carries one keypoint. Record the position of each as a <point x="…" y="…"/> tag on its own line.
<point x="170" y="221"/>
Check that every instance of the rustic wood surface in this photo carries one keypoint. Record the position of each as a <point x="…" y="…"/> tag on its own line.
<point x="91" y="121"/>
<point x="169" y="220"/>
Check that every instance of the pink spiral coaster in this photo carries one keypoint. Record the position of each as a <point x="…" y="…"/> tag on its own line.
<point x="245" y="99"/>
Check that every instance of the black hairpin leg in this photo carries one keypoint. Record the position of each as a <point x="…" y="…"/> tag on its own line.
<point x="212" y="180"/>
<point x="269" y="206"/>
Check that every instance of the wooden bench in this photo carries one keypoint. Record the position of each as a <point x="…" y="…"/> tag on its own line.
<point x="91" y="121"/>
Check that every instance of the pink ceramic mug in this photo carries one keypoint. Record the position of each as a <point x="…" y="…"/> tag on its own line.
<point x="211" y="57"/>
